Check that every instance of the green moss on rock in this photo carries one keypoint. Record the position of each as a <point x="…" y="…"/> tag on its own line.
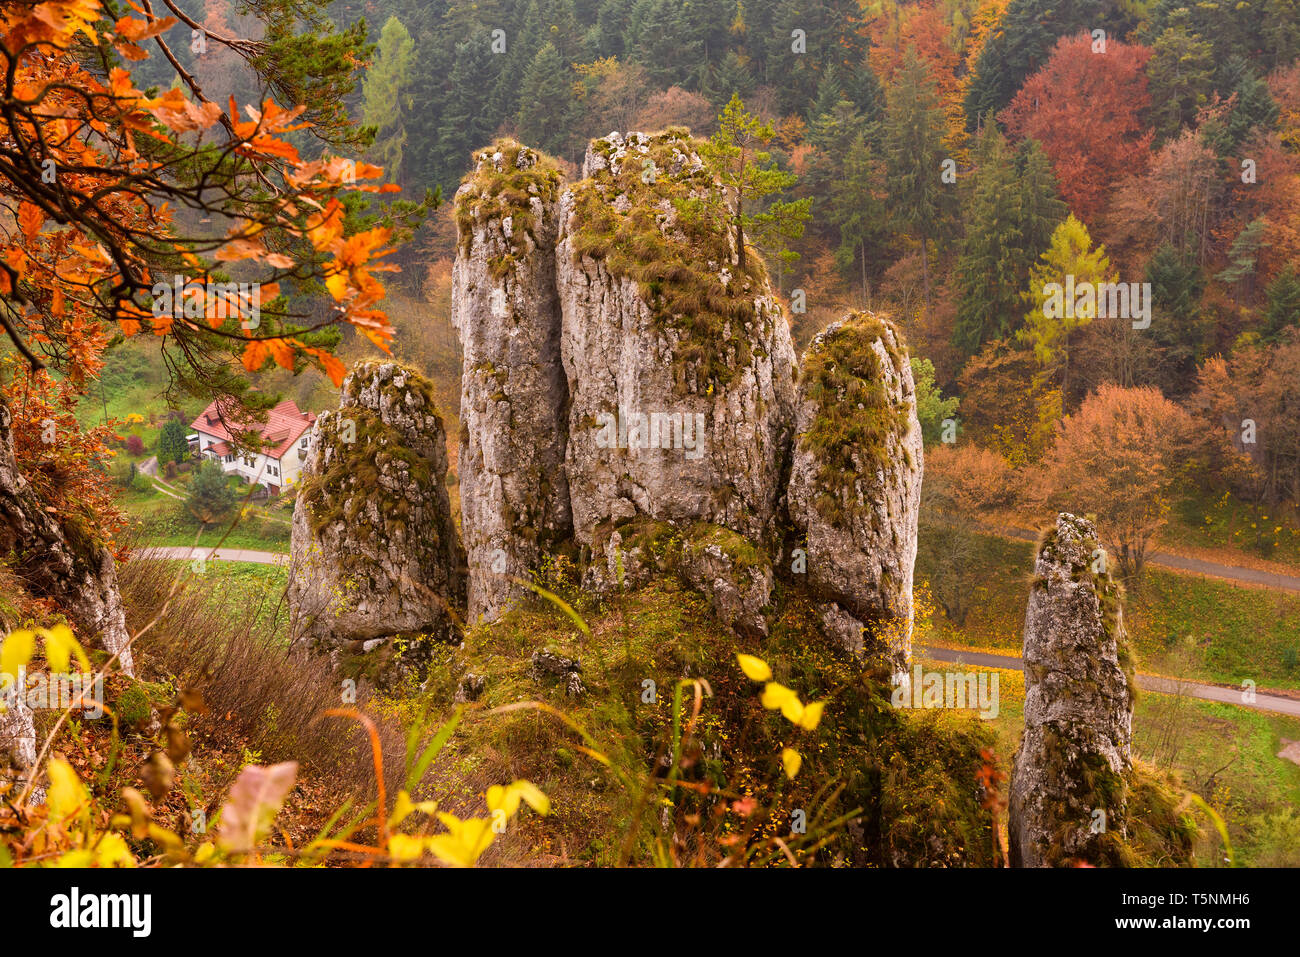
<point x="502" y="189"/>
<point x="855" y="412"/>
<point x="659" y="220"/>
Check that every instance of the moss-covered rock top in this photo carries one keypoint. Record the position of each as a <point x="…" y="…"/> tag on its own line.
<point x="852" y="373"/>
<point x="651" y="211"/>
<point x="506" y="184"/>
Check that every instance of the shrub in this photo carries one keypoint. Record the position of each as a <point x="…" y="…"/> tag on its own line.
<point x="134" y="445"/>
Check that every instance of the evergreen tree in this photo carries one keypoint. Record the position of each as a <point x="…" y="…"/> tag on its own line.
<point x="1041" y="207"/>
<point x="1283" y="303"/>
<point x="1252" y="107"/>
<point x="731" y="77"/>
<point x="545" y="100"/>
<point x="1181" y="74"/>
<point x="1020" y="45"/>
<point x="172" y="444"/>
<point x="991" y="267"/>
<point x="466" y="124"/>
<point x="924" y="206"/>
<point x="856" y="210"/>
<point x="748" y="174"/>
<point x="384" y="105"/>
<point x="211" y="499"/>
<point x="1178" y="330"/>
<point x="661" y="39"/>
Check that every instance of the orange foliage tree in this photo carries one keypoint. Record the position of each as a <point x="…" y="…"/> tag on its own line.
<point x="1087" y="109"/>
<point x="1118" y="459"/>
<point x="104" y="190"/>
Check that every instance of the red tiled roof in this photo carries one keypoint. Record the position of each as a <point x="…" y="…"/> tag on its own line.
<point x="220" y="448"/>
<point x="284" y="425"/>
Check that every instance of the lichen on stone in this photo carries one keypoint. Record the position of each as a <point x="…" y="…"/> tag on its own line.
<point x="506" y="180"/>
<point x="652" y="212"/>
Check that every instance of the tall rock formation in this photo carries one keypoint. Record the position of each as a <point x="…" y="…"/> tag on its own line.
<point x="375" y="554"/>
<point x="1069" y="783"/>
<point x="514" y="424"/>
<point x="855" y="485"/>
<point x="60" y="561"/>
<point x="17" y="745"/>
<point x="680" y="365"/>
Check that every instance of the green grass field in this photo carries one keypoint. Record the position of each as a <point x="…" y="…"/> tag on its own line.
<point x="1201" y="519"/>
<point x="161" y="520"/>
<point x="1185" y="625"/>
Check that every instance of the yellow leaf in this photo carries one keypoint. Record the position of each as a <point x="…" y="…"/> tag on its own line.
<point x="507" y="798"/>
<point x="60" y="646"/>
<point x="79" y="859"/>
<point x="111" y="851"/>
<point x="533" y="796"/>
<point x="464" y="842"/>
<point x="207" y="850"/>
<point x="775" y="695"/>
<point x="791" y="761"/>
<point x="501" y="798"/>
<point x="66" y="795"/>
<point x="402" y="807"/>
<point x="755" y="669"/>
<point x="812" y="714"/>
<point x="792" y="708"/>
<point x="337" y="284"/>
<point x="16" y="652"/>
<point x="404" y="847"/>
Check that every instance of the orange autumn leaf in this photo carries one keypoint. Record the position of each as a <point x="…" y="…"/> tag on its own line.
<point x="331" y="364"/>
<point x="30" y="219"/>
<point x="255" y="353"/>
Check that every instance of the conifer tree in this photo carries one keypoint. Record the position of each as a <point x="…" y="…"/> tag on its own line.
<point x="748" y="175"/>
<point x="384" y="104"/>
<point x="545" y="100"/>
<point x="924" y="205"/>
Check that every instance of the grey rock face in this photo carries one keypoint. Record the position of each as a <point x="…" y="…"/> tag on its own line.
<point x="59" y="561"/>
<point x="549" y="665"/>
<point x="855" y="485"/>
<point x="680" y="365"/>
<point x="514" y="491"/>
<point x="1067" y="792"/>
<point x="17" y="745"/>
<point x="374" y="549"/>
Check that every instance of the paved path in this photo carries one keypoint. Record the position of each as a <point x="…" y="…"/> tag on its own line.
<point x="1262" y="702"/>
<point x="1181" y="563"/>
<point x="187" y="553"/>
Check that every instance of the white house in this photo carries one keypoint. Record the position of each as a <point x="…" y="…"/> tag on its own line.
<point x="285" y="435"/>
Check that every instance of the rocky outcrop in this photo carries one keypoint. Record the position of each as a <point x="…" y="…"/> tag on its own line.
<point x="17" y="742"/>
<point x="376" y="565"/>
<point x="1069" y="783"/>
<point x="855" y="485"/>
<point x="60" y="561"/>
<point x="679" y="363"/>
<point x="514" y="492"/>
<point x="628" y="383"/>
